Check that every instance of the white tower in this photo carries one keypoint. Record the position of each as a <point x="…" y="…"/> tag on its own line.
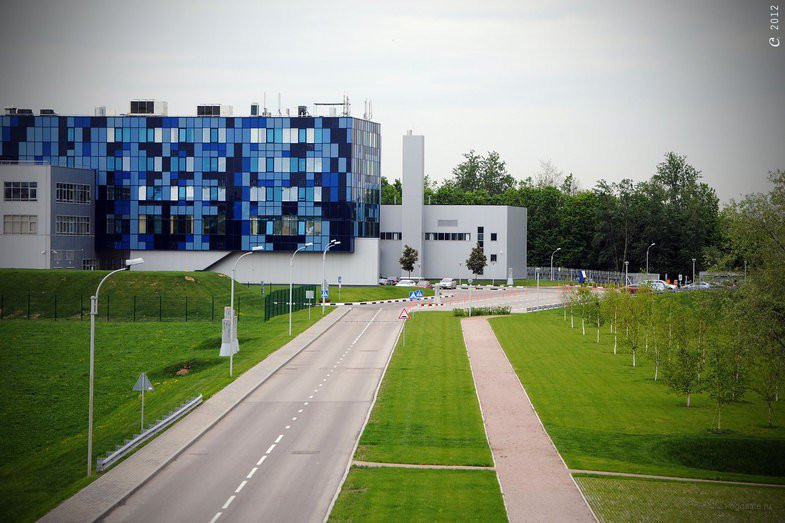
<point x="412" y="179"/>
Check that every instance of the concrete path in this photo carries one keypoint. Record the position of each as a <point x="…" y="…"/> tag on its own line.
<point x="535" y="482"/>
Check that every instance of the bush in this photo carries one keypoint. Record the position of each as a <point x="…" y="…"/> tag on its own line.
<point x="483" y="311"/>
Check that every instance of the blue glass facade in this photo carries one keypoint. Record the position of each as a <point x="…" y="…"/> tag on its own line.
<point x="215" y="183"/>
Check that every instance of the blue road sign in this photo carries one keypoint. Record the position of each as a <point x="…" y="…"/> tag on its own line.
<point x="412" y="295"/>
<point x="325" y="293"/>
<point x="339" y="279"/>
<point x="419" y="294"/>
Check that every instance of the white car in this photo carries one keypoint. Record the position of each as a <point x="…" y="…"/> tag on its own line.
<point x="406" y="283"/>
<point x="447" y="283"/>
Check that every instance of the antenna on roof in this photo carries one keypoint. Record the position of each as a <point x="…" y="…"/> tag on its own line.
<point x="264" y="104"/>
<point x="279" y="104"/>
<point x="370" y="109"/>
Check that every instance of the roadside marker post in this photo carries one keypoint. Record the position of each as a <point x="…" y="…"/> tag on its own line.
<point x="404" y="315"/>
<point x="309" y="297"/>
<point x="340" y="282"/>
<point x="143" y="384"/>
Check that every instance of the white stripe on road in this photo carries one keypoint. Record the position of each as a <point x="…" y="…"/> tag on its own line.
<point x="240" y="487"/>
<point x="261" y="460"/>
<point x="250" y="474"/>
<point x="270" y="449"/>
<point x="280" y="437"/>
<point x="228" y="502"/>
<point x="215" y="518"/>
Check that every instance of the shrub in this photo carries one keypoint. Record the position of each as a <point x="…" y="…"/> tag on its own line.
<point x="483" y="311"/>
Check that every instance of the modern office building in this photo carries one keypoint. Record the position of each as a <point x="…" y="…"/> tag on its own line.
<point x="194" y="192"/>
<point x="191" y="192"/>
<point x="443" y="235"/>
<point x="48" y="217"/>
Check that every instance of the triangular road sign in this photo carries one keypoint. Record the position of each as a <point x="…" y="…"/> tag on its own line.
<point x="419" y="294"/>
<point x="404" y="315"/>
<point x="143" y="383"/>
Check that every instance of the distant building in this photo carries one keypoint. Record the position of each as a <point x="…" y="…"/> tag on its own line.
<point x="443" y="235"/>
<point x="48" y="217"/>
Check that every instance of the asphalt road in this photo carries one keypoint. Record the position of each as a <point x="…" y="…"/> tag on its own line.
<point x="280" y="455"/>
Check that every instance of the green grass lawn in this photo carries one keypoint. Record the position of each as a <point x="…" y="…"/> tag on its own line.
<point x="621" y="499"/>
<point x="427" y="410"/>
<point x="357" y="293"/>
<point x="152" y="295"/>
<point x="45" y="382"/>
<point x="398" y="494"/>
<point x="603" y="414"/>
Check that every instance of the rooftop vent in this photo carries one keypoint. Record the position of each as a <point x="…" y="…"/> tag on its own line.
<point x="255" y="109"/>
<point x="47" y="112"/>
<point x="214" y="110"/>
<point x="10" y="110"/>
<point x="302" y="110"/>
<point x="149" y="107"/>
<point x="24" y="111"/>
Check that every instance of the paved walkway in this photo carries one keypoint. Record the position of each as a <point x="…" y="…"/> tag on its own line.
<point x="535" y="482"/>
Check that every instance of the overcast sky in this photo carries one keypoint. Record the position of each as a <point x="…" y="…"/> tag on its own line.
<point x="602" y="89"/>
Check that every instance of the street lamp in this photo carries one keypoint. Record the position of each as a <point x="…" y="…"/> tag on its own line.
<point x="93" y="314"/>
<point x="693" y="270"/>
<point x="554" y="252"/>
<point x="626" y="272"/>
<point x="647" y="258"/>
<point x="493" y="278"/>
<point x="291" y="282"/>
<point x="460" y="272"/>
<point x="330" y="245"/>
<point x="234" y="346"/>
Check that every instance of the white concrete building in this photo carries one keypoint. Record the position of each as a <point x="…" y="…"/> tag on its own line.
<point x="48" y="217"/>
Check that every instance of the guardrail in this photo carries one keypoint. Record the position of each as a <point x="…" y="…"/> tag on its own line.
<point x="546" y="307"/>
<point x="130" y="444"/>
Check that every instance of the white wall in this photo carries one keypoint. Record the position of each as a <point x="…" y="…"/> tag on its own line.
<point x="24" y="250"/>
<point x="412" y="181"/>
<point x="358" y="268"/>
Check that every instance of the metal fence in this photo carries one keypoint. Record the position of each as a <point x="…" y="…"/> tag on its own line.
<point x="569" y="274"/>
<point x="277" y="302"/>
<point x="47" y="306"/>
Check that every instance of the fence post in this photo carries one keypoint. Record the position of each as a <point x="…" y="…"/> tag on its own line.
<point x="2" y="303"/>
<point x="186" y="309"/>
<point x="134" y="307"/>
<point x="81" y="308"/>
<point x="238" y="309"/>
<point x="160" y="308"/>
<point x="212" y="309"/>
<point x="107" y="307"/>
<point x="55" y="307"/>
<point x="28" y="305"/>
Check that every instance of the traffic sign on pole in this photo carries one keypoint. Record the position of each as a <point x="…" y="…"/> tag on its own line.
<point x="412" y="295"/>
<point x="404" y="315"/>
<point x="325" y="293"/>
<point x="143" y="384"/>
<point x="419" y="294"/>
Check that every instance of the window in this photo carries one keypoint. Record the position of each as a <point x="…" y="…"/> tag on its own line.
<point x="289" y="225"/>
<point x="480" y="236"/>
<point x="116" y="192"/>
<point x="72" y="225"/>
<point x="257" y="226"/>
<point x="214" y="225"/>
<point x="313" y="227"/>
<point x="447" y="236"/>
<point x="21" y="191"/>
<point x="88" y="265"/>
<point x="493" y="258"/>
<point x="20" y="224"/>
<point x="182" y="225"/>
<point x="493" y="236"/>
<point x="72" y="193"/>
<point x="394" y="236"/>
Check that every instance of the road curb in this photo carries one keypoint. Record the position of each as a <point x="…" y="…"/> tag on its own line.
<point x="111" y="489"/>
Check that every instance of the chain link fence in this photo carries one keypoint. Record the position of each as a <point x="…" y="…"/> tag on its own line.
<point x="277" y="302"/>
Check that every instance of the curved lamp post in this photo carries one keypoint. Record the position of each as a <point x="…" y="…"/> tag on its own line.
<point x="647" y="258"/>
<point x="554" y="252"/>
<point x="291" y="282"/>
<point x="234" y="345"/>
<point x="330" y="245"/>
<point x="93" y="314"/>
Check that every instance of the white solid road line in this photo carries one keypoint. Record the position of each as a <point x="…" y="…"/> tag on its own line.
<point x="270" y="449"/>
<point x="215" y="518"/>
<point x="279" y="438"/>
<point x="228" y="502"/>
<point x="250" y="474"/>
<point x="240" y="487"/>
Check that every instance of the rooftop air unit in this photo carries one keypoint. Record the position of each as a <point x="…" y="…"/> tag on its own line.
<point x="213" y="110"/>
<point x="47" y="112"/>
<point x="255" y="109"/>
<point x="149" y="108"/>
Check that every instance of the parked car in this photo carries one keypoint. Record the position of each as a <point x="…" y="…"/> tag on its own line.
<point x="424" y="284"/>
<point x="447" y="283"/>
<point x="668" y="286"/>
<point x="388" y="281"/>
<point x="702" y="285"/>
<point x="406" y="283"/>
<point x="655" y="285"/>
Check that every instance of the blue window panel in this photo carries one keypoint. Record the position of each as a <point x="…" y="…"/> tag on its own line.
<point x="270" y="135"/>
<point x="342" y="165"/>
<point x="270" y="164"/>
<point x="182" y="135"/>
<point x="278" y="135"/>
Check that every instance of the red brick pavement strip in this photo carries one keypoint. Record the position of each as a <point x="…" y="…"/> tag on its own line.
<point x="536" y="484"/>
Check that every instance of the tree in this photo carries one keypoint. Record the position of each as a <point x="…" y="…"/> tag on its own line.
<point x="476" y="261"/>
<point x="662" y="318"/>
<point x="767" y="371"/>
<point x="487" y="173"/>
<point x="721" y="382"/>
<point x="548" y="175"/>
<point x="683" y="366"/>
<point x="630" y="322"/>
<point x="584" y="300"/>
<point x="609" y="307"/>
<point x="408" y="259"/>
<point x="391" y="192"/>
<point x="570" y="186"/>
<point x="595" y="312"/>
